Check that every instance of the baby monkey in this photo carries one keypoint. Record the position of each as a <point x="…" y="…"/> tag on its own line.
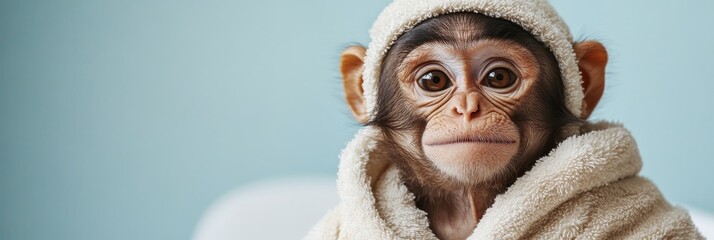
<point x="467" y="104"/>
<point x="475" y="127"/>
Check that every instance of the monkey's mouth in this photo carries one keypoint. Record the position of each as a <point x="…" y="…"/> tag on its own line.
<point x="473" y="139"/>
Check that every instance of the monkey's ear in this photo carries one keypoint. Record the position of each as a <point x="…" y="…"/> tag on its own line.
<point x="351" y="66"/>
<point x="592" y="58"/>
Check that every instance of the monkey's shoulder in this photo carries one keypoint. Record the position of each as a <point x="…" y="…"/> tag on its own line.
<point x="631" y="208"/>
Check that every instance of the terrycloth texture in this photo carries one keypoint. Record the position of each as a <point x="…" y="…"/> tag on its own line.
<point x="586" y="188"/>
<point x="535" y="16"/>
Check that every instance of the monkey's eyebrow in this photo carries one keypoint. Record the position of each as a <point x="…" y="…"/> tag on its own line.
<point x="421" y="52"/>
<point x="412" y="60"/>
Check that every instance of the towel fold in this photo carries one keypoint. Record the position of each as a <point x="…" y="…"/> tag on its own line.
<point x="586" y="188"/>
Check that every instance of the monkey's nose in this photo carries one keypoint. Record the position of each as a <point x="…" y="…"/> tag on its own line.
<point x="466" y="106"/>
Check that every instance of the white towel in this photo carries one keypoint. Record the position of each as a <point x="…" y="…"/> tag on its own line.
<point x="586" y="188"/>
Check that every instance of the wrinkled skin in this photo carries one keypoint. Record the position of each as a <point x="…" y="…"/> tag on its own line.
<point x="469" y="134"/>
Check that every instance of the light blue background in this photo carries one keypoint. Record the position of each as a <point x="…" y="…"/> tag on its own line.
<point x="126" y="119"/>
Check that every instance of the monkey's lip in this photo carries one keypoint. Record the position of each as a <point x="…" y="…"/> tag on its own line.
<point x="473" y="139"/>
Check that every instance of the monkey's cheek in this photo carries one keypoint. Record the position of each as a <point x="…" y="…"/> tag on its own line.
<point x="471" y="162"/>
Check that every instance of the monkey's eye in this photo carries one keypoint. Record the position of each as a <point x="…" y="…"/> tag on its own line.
<point x="434" y="81"/>
<point x="500" y="78"/>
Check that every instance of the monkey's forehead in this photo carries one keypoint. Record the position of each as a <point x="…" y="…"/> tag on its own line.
<point x="535" y="16"/>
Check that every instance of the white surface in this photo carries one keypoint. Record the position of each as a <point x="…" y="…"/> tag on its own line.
<point x="287" y="208"/>
<point x="703" y="220"/>
<point x="276" y="209"/>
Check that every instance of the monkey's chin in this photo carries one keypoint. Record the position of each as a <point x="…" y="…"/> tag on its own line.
<point x="471" y="162"/>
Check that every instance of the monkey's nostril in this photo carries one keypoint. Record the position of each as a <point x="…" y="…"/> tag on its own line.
<point x="458" y="110"/>
<point x="473" y="115"/>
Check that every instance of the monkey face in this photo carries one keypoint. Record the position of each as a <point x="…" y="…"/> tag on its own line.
<point x="467" y="95"/>
<point x="463" y="100"/>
